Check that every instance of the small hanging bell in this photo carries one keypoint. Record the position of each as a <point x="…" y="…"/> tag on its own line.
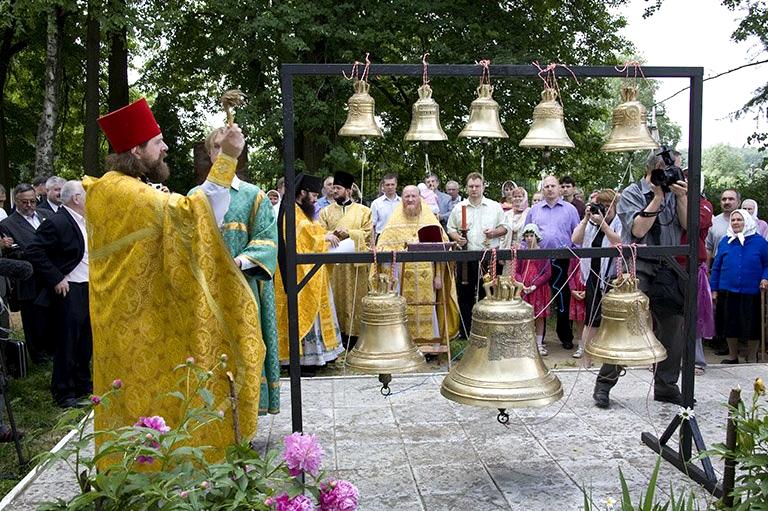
<point x="384" y="346"/>
<point x="626" y="335"/>
<point x="360" y="115"/>
<point x="547" y="128"/>
<point x="629" y="131"/>
<point x="484" y="116"/>
<point x="425" y="120"/>
<point x="502" y="368"/>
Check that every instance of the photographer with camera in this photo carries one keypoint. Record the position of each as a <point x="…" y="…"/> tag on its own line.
<point x="600" y="228"/>
<point x="653" y="212"/>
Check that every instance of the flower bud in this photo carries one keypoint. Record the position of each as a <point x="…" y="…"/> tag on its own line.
<point x="190" y="361"/>
<point x="220" y="413"/>
<point x="759" y="386"/>
<point x="95" y="399"/>
<point x="183" y="494"/>
<point x="116" y="384"/>
<point x="149" y="436"/>
<point x="204" y="485"/>
<point x="223" y="357"/>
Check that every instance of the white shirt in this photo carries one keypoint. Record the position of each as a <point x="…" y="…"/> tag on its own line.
<point x="3" y="214"/>
<point x="487" y="215"/>
<point x="54" y="207"/>
<point x="33" y="220"/>
<point x="720" y="224"/>
<point x="381" y="210"/>
<point x="80" y="272"/>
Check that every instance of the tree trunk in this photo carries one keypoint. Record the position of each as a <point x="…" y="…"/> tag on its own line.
<point x="46" y="130"/>
<point x="91" y="154"/>
<point x="118" y="64"/>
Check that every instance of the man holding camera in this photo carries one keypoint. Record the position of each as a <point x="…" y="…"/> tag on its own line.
<point x="653" y="212"/>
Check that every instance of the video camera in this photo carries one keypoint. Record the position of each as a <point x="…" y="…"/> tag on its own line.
<point x="670" y="174"/>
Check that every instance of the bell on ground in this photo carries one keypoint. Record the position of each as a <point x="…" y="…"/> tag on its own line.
<point x="626" y="334"/>
<point x="629" y="131"/>
<point x="425" y="120"/>
<point x="360" y="115"/>
<point x="501" y="367"/>
<point x="484" y="116"/>
<point x="547" y="128"/>
<point x="384" y="345"/>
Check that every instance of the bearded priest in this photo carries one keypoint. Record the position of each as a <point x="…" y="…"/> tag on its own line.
<point x="344" y="220"/>
<point x="428" y="288"/>
<point x="318" y="327"/>
<point x="163" y="286"/>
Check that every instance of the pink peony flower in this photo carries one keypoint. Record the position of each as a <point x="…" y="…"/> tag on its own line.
<point x="297" y="503"/>
<point x="117" y="384"/>
<point x="155" y="422"/>
<point x="95" y="399"/>
<point x="303" y="453"/>
<point x="338" y="495"/>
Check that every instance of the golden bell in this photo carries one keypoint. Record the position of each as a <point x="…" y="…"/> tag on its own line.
<point x="484" y="116"/>
<point x="425" y="120"/>
<point x="626" y="334"/>
<point x="384" y="345"/>
<point x="629" y="131"/>
<point x="501" y="367"/>
<point x="360" y="115"/>
<point x="547" y="128"/>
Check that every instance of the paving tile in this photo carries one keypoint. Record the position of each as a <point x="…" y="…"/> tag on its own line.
<point x="429" y="454"/>
<point x="371" y="433"/>
<point x="390" y="503"/>
<point x="364" y="415"/>
<point x="510" y="450"/>
<point x="459" y="502"/>
<point x="432" y="432"/>
<point x="380" y="481"/>
<point x="352" y="454"/>
<point x="461" y="479"/>
<point x="436" y="412"/>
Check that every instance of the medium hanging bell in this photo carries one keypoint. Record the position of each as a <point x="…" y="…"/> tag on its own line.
<point x="629" y="131"/>
<point x="548" y="127"/>
<point x="626" y="335"/>
<point x="425" y="119"/>
<point x="484" y="116"/>
<point x="501" y="367"/>
<point x="384" y="345"/>
<point x="360" y="115"/>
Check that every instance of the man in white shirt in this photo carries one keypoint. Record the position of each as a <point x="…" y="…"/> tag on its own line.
<point x="452" y="189"/>
<point x="729" y="201"/>
<point x="381" y="208"/>
<point x="483" y="221"/>
<point x="59" y="255"/>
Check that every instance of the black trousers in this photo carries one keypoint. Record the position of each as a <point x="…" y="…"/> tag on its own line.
<point x="71" y="376"/>
<point x="559" y="280"/>
<point x="35" y="320"/>
<point x="474" y="287"/>
<point x="668" y="329"/>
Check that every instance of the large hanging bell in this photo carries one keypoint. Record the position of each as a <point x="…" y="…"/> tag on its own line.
<point x="384" y="346"/>
<point x="501" y="367"/>
<point x="548" y="127"/>
<point x="626" y="334"/>
<point x="629" y="131"/>
<point x="484" y="116"/>
<point x="360" y="115"/>
<point x="425" y="119"/>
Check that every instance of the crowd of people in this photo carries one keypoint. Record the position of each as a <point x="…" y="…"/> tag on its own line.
<point x="159" y="277"/>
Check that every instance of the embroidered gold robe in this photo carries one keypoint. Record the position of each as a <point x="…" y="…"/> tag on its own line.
<point x="417" y="279"/>
<point x="349" y="281"/>
<point x="163" y="287"/>
<point x="314" y="301"/>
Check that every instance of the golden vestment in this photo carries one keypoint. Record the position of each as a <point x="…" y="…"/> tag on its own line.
<point x="349" y="281"/>
<point x="313" y="299"/>
<point x="417" y="279"/>
<point x="163" y="287"/>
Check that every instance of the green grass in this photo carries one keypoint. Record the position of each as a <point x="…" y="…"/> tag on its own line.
<point x="36" y="414"/>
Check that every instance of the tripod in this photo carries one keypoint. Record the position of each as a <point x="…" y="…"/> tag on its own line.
<point x="4" y="336"/>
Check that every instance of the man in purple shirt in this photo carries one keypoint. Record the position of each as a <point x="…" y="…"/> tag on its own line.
<point x="556" y="220"/>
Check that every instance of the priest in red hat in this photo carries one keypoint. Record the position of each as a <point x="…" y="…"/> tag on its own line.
<point x="163" y="286"/>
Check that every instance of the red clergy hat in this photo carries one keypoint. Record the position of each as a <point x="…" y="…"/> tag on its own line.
<point x="129" y="126"/>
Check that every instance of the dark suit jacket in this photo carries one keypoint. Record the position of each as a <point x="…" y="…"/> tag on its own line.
<point x="57" y="248"/>
<point x="44" y="204"/>
<point x="22" y="233"/>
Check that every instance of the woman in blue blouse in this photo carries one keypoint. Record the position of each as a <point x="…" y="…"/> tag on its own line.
<point x="739" y="272"/>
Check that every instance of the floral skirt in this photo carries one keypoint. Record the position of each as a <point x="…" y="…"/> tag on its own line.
<point x="539" y="299"/>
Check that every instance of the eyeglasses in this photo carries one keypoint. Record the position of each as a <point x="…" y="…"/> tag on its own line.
<point x="27" y="202"/>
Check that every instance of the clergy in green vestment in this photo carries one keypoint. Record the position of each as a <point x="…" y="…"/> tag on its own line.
<point x="250" y="232"/>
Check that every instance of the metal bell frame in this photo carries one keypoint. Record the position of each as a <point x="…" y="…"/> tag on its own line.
<point x="688" y="429"/>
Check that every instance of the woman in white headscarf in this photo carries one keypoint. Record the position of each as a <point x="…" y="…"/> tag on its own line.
<point x="751" y="206"/>
<point x="739" y="275"/>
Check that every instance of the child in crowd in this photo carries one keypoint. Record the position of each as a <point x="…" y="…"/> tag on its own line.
<point x="430" y="197"/>
<point x="577" y="311"/>
<point x="534" y="275"/>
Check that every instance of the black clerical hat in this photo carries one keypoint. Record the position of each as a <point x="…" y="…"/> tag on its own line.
<point x="344" y="179"/>
<point x="309" y="183"/>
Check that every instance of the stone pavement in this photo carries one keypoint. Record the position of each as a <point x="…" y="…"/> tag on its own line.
<point x="418" y="451"/>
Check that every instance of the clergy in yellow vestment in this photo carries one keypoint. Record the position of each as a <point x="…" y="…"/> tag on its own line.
<point x="345" y="219"/>
<point x="318" y="327"/>
<point x="163" y="286"/>
<point x="428" y="288"/>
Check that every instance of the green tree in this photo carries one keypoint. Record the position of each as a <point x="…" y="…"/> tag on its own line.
<point x="723" y="165"/>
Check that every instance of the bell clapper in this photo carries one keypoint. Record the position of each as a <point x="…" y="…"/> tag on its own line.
<point x="385" y="379"/>
<point x="503" y="416"/>
<point x="546" y="154"/>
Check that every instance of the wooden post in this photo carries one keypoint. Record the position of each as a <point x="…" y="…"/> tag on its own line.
<point x="729" y="471"/>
